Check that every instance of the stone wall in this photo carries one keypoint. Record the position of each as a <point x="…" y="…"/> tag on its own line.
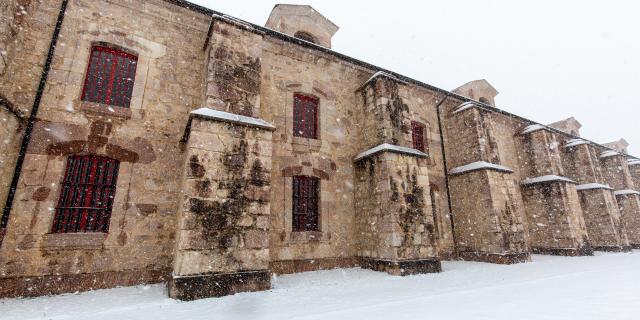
<point x="223" y="227"/>
<point x="144" y="138"/>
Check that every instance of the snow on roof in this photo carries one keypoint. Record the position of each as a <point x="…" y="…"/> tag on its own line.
<point x="232" y="117"/>
<point x="479" y="165"/>
<point x="575" y="142"/>
<point x="465" y="106"/>
<point x="387" y="147"/>
<point x="625" y="192"/>
<point x="533" y="128"/>
<point x="609" y="153"/>
<point x="547" y="178"/>
<point x="592" y="186"/>
<point x="633" y="162"/>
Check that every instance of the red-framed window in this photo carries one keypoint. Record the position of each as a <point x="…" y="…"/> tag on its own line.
<point x="306" y="198"/>
<point x="417" y="133"/>
<point x="305" y="116"/>
<point x="110" y="77"/>
<point x="86" y="197"/>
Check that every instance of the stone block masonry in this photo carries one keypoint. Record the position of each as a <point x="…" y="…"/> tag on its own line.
<point x="404" y="174"/>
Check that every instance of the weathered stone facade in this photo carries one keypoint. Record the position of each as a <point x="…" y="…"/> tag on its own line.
<point x="208" y="154"/>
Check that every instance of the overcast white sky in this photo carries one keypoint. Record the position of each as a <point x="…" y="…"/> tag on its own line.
<point x="549" y="59"/>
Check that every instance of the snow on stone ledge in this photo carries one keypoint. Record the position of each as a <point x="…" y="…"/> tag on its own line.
<point x="547" y="178"/>
<point x="382" y="74"/>
<point x="625" y="192"/>
<point x="465" y="106"/>
<point x="593" y="186"/>
<point x="608" y="154"/>
<point x="534" y="128"/>
<point x="386" y="147"/>
<point x="232" y="118"/>
<point x="575" y="142"/>
<point x="479" y="165"/>
<point x="633" y="162"/>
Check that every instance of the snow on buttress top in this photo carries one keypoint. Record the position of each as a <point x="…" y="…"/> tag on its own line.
<point x="533" y="128"/>
<point x="633" y="162"/>
<point x="608" y="154"/>
<point x="625" y="192"/>
<point x="575" y="142"/>
<point x="465" y="106"/>
<point x="547" y="178"/>
<point x="479" y="165"/>
<point x="592" y="186"/>
<point x="389" y="147"/>
<point x="232" y="117"/>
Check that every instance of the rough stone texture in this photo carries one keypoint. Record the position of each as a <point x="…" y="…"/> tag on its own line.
<point x="168" y="85"/>
<point x="487" y="206"/>
<point x="227" y="190"/>
<point x="600" y="209"/>
<point x="553" y="210"/>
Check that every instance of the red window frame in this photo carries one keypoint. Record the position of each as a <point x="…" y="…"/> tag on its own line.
<point x="86" y="196"/>
<point x="417" y="134"/>
<point x="110" y="77"/>
<point x="305" y="116"/>
<point x="306" y="199"/>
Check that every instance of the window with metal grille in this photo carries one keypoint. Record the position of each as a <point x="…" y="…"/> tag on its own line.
<point x="417" y="132"/>
<point x="86" y="198"/>
<point x="305" y="203"/>
<point x="305" y="116"/>
<point x="110" y="77"/>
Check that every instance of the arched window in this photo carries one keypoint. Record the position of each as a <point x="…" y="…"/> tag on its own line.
<point x="110" y="76"/>
<point x="305" y="36"/>
<point x="86" y="197"/>
<point x="484" y="100"/>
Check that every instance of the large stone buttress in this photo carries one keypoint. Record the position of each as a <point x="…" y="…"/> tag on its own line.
<point x="555" y="219"/>
<point x="222" y="241"/>
<point x="394" y="224"/>
<point x="600" y="209"/>
<point x="617" y="173"/>
<point x="486" y="204"/>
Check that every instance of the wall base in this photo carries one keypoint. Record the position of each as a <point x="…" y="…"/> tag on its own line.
<point x="635" y="246"/>
<point x="567" y="252"/>
<point x="296" y="266"/>
<point x="218" y="284"/>
<point x="612" y="248"/>
<point x="402" y="268"/>
<point x="509" y="258"/>
<point x="67" y="283"/>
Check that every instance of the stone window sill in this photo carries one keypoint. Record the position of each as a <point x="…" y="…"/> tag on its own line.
<point x="306" y="144"/>
<point x="105" y="110"/>
<point x="71" y="241"/>
<point x="309" y="236"/>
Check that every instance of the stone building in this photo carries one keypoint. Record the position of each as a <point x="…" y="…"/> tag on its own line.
<point x="159" y="141"/>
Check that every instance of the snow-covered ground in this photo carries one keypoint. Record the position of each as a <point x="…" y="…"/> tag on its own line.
<point x="606" y="286"/>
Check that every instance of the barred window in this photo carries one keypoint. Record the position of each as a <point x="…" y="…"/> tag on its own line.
<point x="417" y="132"/>
<point x="86" y="198"/>
<point x="305" y="203"/>
<point x="110" y="77"/>
<point x="305" y="116"/>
